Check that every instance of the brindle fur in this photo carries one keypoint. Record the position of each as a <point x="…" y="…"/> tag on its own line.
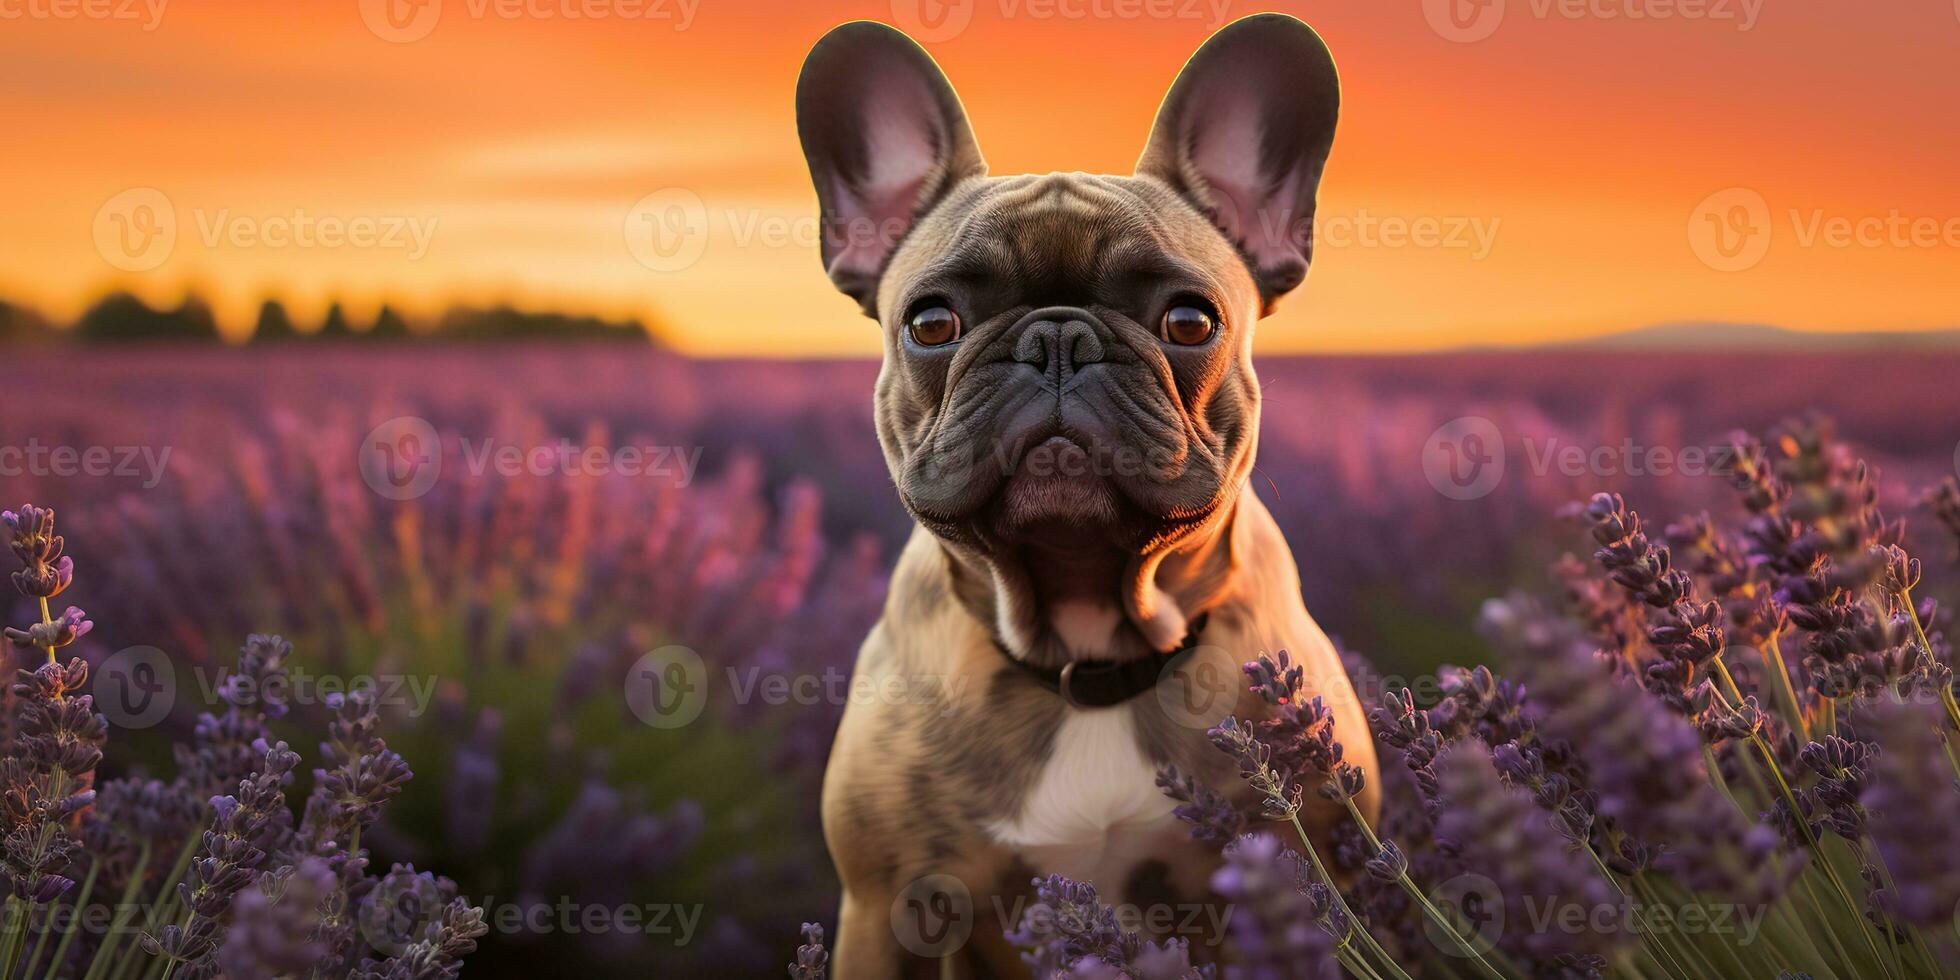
<point x="915" y="783"/>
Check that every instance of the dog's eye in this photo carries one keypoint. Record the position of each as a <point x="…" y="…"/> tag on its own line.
<point x="933" y="326"/>
<point x="1187" y="325"/>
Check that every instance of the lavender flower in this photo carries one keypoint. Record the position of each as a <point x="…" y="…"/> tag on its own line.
<point x="1501" y="834"/>
<point x="46" y="572"/>
<point x="363" y="774"/>
<point x="1911" y="800"/>
<point x="1944" y="501"/>
<point x="1644" y="765"/>
<point x="1284" y="926"/>
<point x="1069" y="932"/>
<point x="275" y="926"/>
<point x="244" y="828"/>
<point x="1213" y="818"/>
<point x="812" y="960"/>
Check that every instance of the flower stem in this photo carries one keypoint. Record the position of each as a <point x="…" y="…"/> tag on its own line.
<point x="1354" y="924"/>
<point x="17" y="913"/>
<point x="1428" y="909"/>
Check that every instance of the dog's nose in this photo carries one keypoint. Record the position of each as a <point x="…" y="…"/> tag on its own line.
<point x="1059" y="340"/>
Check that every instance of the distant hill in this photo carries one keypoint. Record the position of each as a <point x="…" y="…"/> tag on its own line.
<point x="1691" y="337"/>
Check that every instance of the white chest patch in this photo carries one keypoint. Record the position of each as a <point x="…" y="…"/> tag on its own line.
<point x="1097" y="790"/>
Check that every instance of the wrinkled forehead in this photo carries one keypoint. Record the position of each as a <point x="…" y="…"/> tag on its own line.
<point x="1065" y="238"/>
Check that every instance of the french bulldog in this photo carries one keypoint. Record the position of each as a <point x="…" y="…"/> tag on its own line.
<point x="1069" y="410"/>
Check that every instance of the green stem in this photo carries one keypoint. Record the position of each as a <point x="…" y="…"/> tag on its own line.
<point x="1428" y="909"/>
<point x="100" y="961"/>
<point x="1788" y="690"/>
<point x="1347" y="914"/>
<point x="81" y="906"/>
<point x="17" y="913"/>
<point x="47" y="928"/>
<point x="1822" y="860"/>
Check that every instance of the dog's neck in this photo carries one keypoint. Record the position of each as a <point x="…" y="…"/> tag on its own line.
<point x="1055" y="600"/>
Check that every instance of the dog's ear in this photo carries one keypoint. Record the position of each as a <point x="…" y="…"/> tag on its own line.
<point x="1244" y="135"/>
<point x="886" y="138"/>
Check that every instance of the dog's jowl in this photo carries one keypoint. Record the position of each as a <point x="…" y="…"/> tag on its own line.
<point x="1069" y="411"/>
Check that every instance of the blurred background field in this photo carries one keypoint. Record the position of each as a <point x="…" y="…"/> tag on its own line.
<point x="521" y="602"/>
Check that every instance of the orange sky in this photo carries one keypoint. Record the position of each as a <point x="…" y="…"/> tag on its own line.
<point x="1562" y="160"/>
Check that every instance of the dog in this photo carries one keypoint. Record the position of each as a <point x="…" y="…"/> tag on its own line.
<point x="1068" y="408"/>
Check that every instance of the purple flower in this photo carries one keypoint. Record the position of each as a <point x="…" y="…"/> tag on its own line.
<point x="1516" y="850"/>
<point x="812" y="960"/>
<point x="1911" y="801"/>
<point x="1069" y="932"/>
<point x="275" y="926"/>
<point x="1213" y="818"/>
<point x="1284" y="926"/>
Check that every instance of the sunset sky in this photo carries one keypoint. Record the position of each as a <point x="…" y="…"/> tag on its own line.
<point x="1561" y="169"/>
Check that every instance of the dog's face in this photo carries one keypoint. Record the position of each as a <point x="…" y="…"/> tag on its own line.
<point x="1069" y="355"/>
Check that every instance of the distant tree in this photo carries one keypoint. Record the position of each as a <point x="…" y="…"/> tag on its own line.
<point x="120" y="317"/>
<point x="389" y="325"/>
<point x="274" y="324"/>
<point x="507" y="323"/>
<point x="20" y="325"/>
<point x="334" y="327"/>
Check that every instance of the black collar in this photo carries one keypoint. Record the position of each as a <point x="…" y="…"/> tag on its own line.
<point x="1106" y="683"/>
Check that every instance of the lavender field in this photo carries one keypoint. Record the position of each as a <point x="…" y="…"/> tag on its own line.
<point x="503" y="600"/>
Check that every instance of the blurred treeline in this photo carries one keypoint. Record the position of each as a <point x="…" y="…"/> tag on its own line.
<point x="121" y="317"/>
